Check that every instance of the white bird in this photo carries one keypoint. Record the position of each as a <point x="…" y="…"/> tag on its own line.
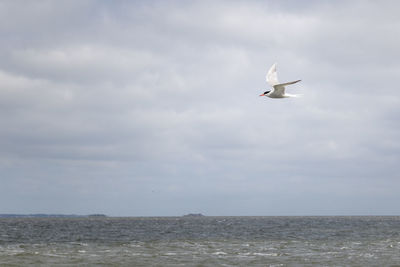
<point x="278" y="90"/>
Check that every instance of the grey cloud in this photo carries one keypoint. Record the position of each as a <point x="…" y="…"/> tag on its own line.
<point x="156" y="104"/>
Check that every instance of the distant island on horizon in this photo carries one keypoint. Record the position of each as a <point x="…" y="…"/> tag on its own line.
<point x="43" y="215"/>
<point x="96" y="215"/>
<point x="193" y="215"/>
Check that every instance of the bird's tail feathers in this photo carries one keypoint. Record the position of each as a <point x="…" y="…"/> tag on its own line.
<point x="291" y="95"/>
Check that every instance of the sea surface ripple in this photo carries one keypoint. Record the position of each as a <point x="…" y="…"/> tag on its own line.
<point x="202" y="241"/>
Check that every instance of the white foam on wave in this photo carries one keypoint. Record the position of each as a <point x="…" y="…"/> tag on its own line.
<point x="266" y="254"/>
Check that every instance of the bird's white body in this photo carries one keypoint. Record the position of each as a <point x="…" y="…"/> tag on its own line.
<point x="278" y="90"/>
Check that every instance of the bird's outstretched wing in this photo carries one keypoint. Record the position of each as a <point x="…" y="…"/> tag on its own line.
<point x="288" y="83"/>
<point x="272" y="77"/>
<point x="279" y="89"/>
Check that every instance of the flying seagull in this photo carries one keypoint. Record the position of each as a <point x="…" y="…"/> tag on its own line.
<point x="278" y="90"/>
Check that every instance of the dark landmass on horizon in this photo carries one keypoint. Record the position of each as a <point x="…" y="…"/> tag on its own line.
<point x="40" y="215"/>
<point x="193" y="215"/>
<point x="44" y="215"/>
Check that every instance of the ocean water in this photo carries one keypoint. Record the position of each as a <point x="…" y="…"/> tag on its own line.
<point x="203" y="241"/>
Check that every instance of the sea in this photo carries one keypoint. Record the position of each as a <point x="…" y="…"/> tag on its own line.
<point x="200" y="241"/>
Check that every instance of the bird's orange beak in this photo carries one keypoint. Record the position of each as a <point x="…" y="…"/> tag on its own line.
<point x="262" y="95"/>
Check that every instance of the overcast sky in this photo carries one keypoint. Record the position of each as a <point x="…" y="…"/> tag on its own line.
<point x="145" y="108"/>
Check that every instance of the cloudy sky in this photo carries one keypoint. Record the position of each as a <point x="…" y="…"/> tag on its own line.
<point x="145" y="108"/>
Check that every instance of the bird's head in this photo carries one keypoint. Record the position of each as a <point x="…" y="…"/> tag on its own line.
<point x="266" y="92"/>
